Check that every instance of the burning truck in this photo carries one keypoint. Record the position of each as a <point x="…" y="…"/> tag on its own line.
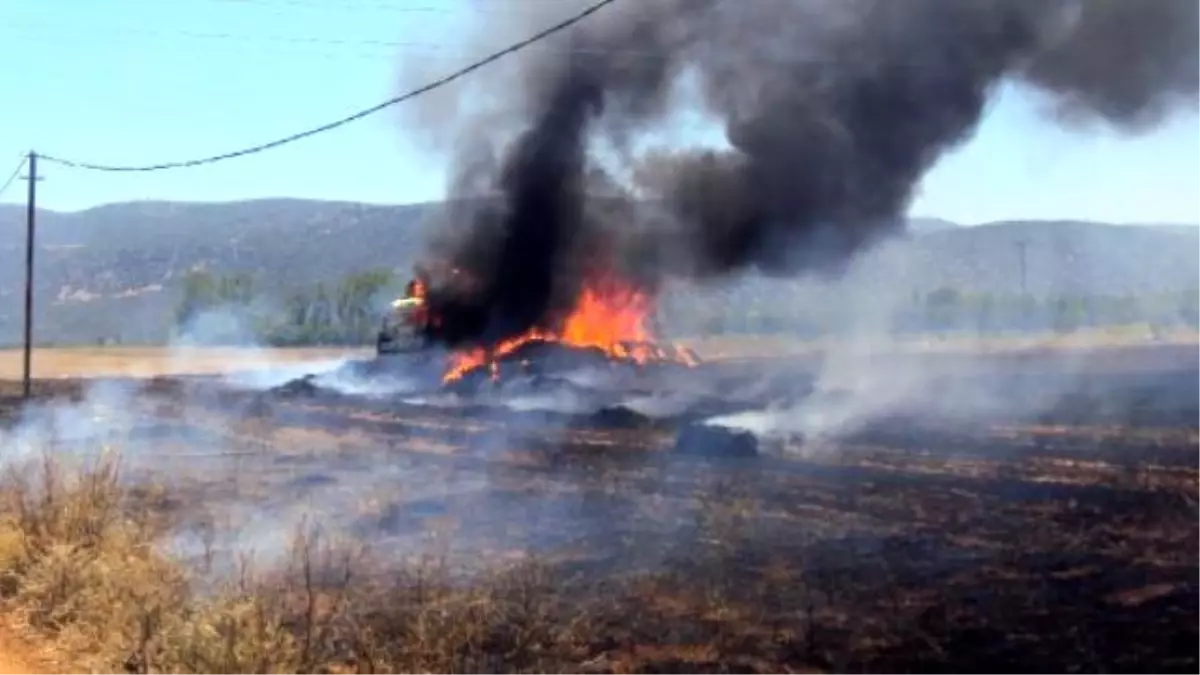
<point x="610" y="323"/>
<point x="406" y="326"/>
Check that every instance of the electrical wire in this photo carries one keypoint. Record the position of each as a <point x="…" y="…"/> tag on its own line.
<point x="16" y="172"/>
<point x="329" y="126"/>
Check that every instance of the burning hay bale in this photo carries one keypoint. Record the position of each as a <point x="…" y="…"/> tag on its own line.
<point x="602" y="330"/>
<point x="542" y="360"/>
<point x="607" y="324"/>
<point x="710" y="440"/>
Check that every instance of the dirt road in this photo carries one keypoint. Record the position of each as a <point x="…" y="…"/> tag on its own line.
<point x="148" y="361"/>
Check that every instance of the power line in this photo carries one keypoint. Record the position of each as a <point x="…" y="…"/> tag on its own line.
<point x="16" y="172"/>
<point x="441" y="82"/>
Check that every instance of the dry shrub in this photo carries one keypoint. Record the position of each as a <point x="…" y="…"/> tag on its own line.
<point x="348" y="611"/>
<point x="77" y="558"/>
<point x="79" y="561"/>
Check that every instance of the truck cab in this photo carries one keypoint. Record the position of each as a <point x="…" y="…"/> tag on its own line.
<point x="403" y="327"/>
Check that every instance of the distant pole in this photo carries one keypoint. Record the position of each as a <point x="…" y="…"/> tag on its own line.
<point x="30" y="231"/>
<point x="1022" y="246"/>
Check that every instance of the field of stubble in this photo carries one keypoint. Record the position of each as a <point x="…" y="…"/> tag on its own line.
<point x="457" y="539"/>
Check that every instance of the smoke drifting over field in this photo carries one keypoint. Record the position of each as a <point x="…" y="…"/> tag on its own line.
<point x="832" y="111"/>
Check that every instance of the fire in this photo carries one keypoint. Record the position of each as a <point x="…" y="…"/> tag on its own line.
<point x="608" y="315"/>
<point x="417" y="290"/>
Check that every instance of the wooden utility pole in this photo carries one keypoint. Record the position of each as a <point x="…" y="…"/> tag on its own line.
<point x="30" y="239"/>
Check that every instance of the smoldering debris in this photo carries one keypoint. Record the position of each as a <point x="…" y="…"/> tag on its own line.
<point x="707" y="440"/>
<point x="300" y="387"/>
<point x="269" y="376"/>
<point x="365" y="378"/>
<point x="831" y="111"/>
<point x="606" y="396"/>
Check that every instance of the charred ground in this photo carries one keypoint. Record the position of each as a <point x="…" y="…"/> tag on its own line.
<point x="1064" y="540"/>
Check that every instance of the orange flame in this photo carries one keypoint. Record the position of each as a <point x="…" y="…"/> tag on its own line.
<point x="608" y="315"/>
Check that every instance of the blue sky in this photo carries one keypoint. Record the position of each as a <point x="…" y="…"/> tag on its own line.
<point x="144" y="81"/>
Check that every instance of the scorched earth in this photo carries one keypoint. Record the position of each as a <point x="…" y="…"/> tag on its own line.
<point x="1007" y="512"/>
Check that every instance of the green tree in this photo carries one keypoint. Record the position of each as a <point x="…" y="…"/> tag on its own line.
<point x="986" y="313"/>
<point x="345" y="313"/>
<point x="1126" y="309"/>
<point x="1189" y="308"/>
<point x="942" y="307"/>
<point x="198" y="294"/>
<point x="204" y="291"/>
<point x="359" y="300"/>
<point x="1070" y="313"/>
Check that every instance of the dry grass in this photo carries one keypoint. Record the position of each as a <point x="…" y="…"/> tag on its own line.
<point x="152" y="361"/>
<point x="973" y="553"/>
<point x="81" y="569"/>
<point x="62" y="362"/>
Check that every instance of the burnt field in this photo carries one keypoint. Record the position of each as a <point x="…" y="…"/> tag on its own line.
<point x="1033" y="511"/>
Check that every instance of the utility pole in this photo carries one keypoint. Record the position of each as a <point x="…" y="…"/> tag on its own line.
<point x="30" y="239"/>
<point x="1022" y="246"/>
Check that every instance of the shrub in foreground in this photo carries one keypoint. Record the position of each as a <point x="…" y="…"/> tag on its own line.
<point x="79" y="562"/>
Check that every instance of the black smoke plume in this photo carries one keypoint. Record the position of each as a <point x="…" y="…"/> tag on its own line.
<point x="833" y="110"/>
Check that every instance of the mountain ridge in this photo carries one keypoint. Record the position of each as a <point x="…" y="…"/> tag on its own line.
<point x="104" y="269"/>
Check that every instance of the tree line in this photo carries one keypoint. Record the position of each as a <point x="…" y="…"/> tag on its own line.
<point x="233" y="308"/>
<point x="945" y="310"/>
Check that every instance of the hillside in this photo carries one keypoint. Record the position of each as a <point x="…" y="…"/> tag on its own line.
<point x="1060" y="257"/>
<point x="114" y="270"/>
